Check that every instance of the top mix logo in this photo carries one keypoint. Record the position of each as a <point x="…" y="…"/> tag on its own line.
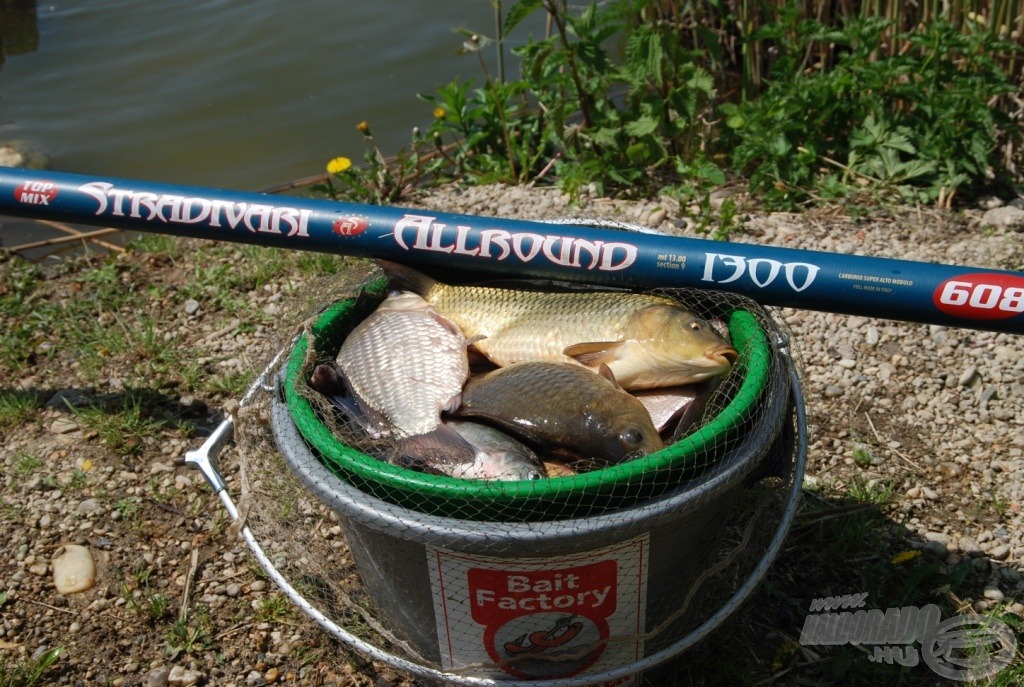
<point x="36" y="193"/>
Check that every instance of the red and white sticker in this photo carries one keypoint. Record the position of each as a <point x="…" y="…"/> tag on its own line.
<point x="349" y="226"/>
<point x="540" y="618"/>
<point x="36" y="193"/>
<point x="981" y="296"/>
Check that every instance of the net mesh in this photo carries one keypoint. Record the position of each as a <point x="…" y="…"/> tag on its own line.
<point x="557" y="578"/>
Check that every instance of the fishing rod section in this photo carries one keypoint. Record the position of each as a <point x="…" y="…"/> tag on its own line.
<point x="886" y="288"/>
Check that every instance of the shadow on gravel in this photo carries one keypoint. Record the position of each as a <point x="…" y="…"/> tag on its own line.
<point x="123" y="420"/>
<point x="845" y="547"/>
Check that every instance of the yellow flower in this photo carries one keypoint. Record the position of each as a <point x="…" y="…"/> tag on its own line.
<point x="363" y="127"/>
<point x="905" y="556"/>
<point x="782" y="653"/>
<point x="439" y="113"/>
<point x="338" y="165"/>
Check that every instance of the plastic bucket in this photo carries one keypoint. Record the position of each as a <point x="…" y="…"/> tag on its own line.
<point x="555" y="598"/>
<point x="599" y="490"/>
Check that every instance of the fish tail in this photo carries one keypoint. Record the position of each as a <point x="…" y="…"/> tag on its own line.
<point x="406" y="278"/>
<point x="435" y="451"/>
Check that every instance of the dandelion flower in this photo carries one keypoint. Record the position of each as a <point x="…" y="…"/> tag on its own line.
<point x="782" y="653"/>
<point x="439" y="113"/>
<point x="905" y="556"/>
<point x="338" y="165"/>
<point x="363" y="127"/>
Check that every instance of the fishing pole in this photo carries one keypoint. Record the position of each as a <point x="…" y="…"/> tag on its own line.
<point x="887" y="288"/>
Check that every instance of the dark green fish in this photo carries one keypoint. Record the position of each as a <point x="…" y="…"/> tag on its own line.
<point x="564" y="407"/>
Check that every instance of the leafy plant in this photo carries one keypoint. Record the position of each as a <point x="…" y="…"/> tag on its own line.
<point x="638" y="97"/>
<point x="919" y="125"/>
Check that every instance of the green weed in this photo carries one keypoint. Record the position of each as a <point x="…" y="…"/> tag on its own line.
<point x="17" y="408"/>
<point x="122" y="428"/>
<point x="918" y="125"/>
<point x="231" y="384"/>
<point x="25" y="463"/>
<point x="188" y="637"/>
<point x="129" y="509"/>
<point x="274" y="608"/>
<point x="639" y="97"/>
<point x="28" y="671"/>
<point x="155" y="245"/>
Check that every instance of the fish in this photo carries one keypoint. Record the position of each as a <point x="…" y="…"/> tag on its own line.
<point x="328" y="380"/>
<point x="498" y="456"/>
<point x="694" y="411"/>
<point x="667" y="403"/>
<point x="405" y="364"/>
<point x="563" y="407"/>
<point x="646" y="340"/>
<point x="558" y="468"/>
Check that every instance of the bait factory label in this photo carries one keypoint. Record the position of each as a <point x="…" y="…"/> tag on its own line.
<point x="541" y="617"/>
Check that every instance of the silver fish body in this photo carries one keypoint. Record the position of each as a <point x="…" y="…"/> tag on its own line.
<point x="498" y="456"/>
<point x="406" y="364"/>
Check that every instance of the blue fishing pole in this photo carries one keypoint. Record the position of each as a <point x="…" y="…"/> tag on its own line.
<point x="855" y="285"/>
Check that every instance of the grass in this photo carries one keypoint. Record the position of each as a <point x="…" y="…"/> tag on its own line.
<point x="231" y="384"/>
<point x="129" y="509"/>
<point x="144" y="601"/>
<point x="274" y="608"/>
<point x="161" y="495"/>
<point x="123" y="428"/>
<point x="156" y="245"/>
<point x="17" y="408"/>
<point x="25" y="463"/>
<point x="28" y="671"/>
<point x="189" y="636"/>
<point x="989" y="504"/>
<point x="862" y="456"/>
<point x="1011" y="676"/>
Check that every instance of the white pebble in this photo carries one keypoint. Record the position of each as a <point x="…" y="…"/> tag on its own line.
<point x="73" y="569"/>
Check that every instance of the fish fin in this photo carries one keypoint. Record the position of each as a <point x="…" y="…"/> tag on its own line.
<point x="349" y="411"/>
<point x="445" y="322"/>
<point x="607" y="373"/>
<point x="372" y="423"/>
<point x="453" y="403"/>
<point x="690" y="419"/>
<point x="439" y="447"/>
<point x="356" y="410"/>
<point x="476" y="338"/>
<point x="593" y="353"/>
<point x="406" y="278"/>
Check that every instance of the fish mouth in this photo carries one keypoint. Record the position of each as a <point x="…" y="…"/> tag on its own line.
<point x="723" y="353"/>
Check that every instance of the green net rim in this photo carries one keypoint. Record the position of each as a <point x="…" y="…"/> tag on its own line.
<point x="747" y="336"/>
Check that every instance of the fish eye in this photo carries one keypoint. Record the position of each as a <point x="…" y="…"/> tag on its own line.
<point x="534" y="475"/>
<point x="632" y="437"/>
<point x="696" y="326"/>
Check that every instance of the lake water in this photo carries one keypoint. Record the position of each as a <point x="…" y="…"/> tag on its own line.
<point x="242" y="93"/>
<point x="239" y="94"/>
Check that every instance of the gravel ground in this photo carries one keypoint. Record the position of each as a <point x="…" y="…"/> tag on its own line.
<point x="933" y="411"/>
